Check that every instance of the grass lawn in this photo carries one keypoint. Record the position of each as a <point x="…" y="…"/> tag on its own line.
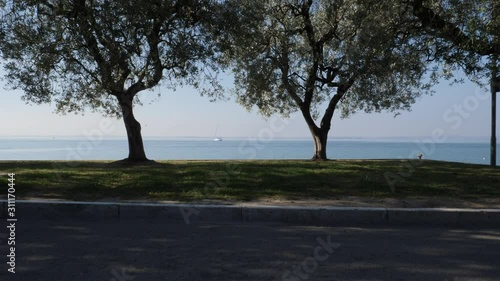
<point x="249" y="180"/>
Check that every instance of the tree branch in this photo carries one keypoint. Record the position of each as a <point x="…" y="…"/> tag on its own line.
<point x="341" y="91"/>
<point x="92" y="45"/>
<point x="316" y="50"/>
<point x="285" y="69"/>
<point x="449" y="31"/>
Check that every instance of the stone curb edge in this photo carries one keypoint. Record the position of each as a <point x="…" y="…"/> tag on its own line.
<point x="321" y="216"/>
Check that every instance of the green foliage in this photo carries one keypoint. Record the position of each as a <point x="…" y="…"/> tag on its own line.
<point x="465" y="33"/>
<point x="82" y="53"/>
<point x="288" y="55"/>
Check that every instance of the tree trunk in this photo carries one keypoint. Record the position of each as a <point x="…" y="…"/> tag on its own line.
<point x="319" y="134"/>
<point x="320" y="140"/>
<point x="136" y="151"/>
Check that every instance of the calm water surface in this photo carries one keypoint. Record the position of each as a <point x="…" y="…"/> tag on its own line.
<point x="198" y="149"/>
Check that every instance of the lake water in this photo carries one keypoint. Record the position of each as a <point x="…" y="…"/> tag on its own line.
<point x="198" y="149"/>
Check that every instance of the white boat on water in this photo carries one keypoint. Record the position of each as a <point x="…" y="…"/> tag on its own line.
<point x="215" y="135"/>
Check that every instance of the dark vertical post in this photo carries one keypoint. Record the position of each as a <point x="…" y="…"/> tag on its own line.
<point x="493" y="155"/>
<point x="494" y="89"/>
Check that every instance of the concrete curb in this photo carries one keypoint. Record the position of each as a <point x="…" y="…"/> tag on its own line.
<point x="321" y="216"/>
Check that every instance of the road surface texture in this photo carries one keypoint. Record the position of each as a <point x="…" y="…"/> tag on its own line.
<point x="125" y="250"/>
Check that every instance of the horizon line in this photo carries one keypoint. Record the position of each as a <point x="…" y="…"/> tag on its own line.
<point x="248" y="137"/>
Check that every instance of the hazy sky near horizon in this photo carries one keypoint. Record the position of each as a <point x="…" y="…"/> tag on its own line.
<point x="461" y="110"/>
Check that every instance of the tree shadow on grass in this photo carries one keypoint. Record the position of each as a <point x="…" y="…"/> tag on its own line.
<point x="247" y="180"/>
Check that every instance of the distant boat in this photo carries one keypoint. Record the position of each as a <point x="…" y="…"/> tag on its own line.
<point x="215" y="135"/>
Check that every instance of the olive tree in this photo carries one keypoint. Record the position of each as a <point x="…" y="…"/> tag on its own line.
<point x="300" y="55"/>
<point x="100" y="54"/>
<point x="468" y="36"/>
<point x="465" y="32"/>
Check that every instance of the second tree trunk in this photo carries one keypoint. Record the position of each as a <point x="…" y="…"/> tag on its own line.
<point x="320" y="141"/>
<point x="133" y="127"/>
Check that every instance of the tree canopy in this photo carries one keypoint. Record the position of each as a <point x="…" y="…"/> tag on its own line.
<point x="466" y="33"/>
<point x="100" y="54"/>
<point x="290" y="55"/>
<point x="286" y="55"/>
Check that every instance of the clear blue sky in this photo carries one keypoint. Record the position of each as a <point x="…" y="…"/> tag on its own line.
<point x="184" y="113"/>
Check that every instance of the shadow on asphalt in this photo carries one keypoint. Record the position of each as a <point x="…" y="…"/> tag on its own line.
<point x="140" y="250"/>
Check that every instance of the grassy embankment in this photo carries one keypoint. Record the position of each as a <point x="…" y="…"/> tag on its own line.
<point x="248" y="180"/>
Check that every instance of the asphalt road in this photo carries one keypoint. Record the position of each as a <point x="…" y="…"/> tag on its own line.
<point x="113" y="250"/>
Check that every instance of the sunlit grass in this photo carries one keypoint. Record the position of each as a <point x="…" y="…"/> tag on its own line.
<point x="248" y="180"/>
